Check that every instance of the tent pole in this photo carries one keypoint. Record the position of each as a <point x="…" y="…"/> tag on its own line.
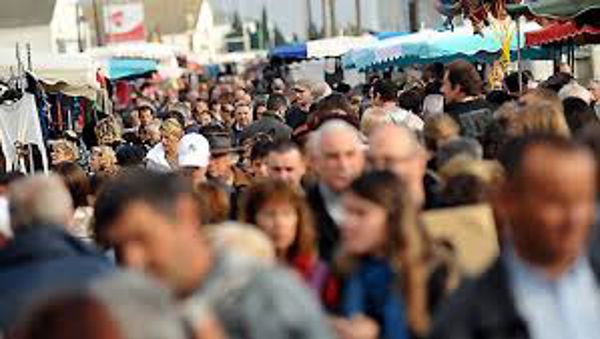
<point x="519" y="63"/>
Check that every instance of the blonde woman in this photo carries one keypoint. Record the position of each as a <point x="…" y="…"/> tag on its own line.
<point x="164" y="155"/>
<point x="108" y="132"/>
<point x="103" y="160"/>
<point x="63" y="151"/>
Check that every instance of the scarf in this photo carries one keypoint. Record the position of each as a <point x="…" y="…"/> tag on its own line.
<point x="370" y="291"/>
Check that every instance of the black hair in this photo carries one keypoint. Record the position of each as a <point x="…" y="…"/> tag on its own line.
<point x="512" y="82"/>
<point x="276" y="102"/>
<point x="130" y="155"/>
<point x="260" y="149"/>
<point x="386" y="89"/>
<point x="557" y="81"/>
<point x="578" y="114"/>
<point x="160" y="191"/>
<point x="284" y="146"/>
<point x="412" y="100"/>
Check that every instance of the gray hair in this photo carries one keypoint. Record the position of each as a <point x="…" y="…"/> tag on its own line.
<point x="320" y="90"/>
<point x="330" y="127"/>
<point x="242" y="239"/>
<point x="468" y="147"/>
<point x="573" y="89"/>
<point x="39" y="200"/>
<point x="142" y="308"/>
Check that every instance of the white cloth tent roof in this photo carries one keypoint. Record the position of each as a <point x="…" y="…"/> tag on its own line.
<point x="137" y="50"/>
<point x="74" y="74"/>
<point x="335" y="47"/>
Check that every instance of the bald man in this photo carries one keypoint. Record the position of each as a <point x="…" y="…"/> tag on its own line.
<point x="338" y="158"/>
<point x="395" y="148"/>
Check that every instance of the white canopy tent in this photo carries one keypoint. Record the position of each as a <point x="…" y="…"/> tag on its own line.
<point x="335" y="47"/>
<point x="74" y="74"/>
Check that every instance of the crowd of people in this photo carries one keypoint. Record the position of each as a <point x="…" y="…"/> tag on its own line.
<point x="244" y="208"/>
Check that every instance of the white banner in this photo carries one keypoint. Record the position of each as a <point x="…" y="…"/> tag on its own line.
<point x="124" y="22"/>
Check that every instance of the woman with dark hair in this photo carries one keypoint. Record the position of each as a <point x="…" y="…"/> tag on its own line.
<point x="283" y="214"/>
<point x="386" y="259"/>
<point x="78" y="184"/>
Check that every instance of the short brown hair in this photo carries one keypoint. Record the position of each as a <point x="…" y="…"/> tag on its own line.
<point x="264" y="192"/>
<point x="462" y="73"/>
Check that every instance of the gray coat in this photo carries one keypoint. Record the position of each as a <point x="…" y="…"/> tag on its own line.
<point x="257" y="301"/>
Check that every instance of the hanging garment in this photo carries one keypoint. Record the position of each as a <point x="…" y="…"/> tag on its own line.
<point x="19" y="124"/>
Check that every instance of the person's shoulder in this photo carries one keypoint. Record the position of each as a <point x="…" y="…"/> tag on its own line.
<point x="474" y="301"/>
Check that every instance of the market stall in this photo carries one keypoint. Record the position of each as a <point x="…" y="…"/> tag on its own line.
<point x="431" y="46"/>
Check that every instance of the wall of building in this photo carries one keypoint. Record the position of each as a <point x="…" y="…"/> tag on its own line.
<point x="38" y="36"/>
<point x="64" y="28"/>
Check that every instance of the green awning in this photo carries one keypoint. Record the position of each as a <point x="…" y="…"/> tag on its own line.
<point x="556" y="9"/>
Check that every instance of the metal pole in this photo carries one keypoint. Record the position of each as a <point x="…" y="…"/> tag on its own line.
<point x="97" y="24"/>
<point x="29" y="63"/>
<point x="78" y="22"/>
<point x="358" y="8"/>
<point x="332" y="17"/>
<point x="519" y="65"/>
<point x="309" y="18"/>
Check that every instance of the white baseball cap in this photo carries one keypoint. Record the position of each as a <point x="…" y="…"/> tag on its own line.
<point x="194" y="151"/>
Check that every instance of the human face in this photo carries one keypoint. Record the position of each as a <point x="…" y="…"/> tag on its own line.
<point x="95" y="162"/>
<point x="150" y="242"/>
<point x="146" y="117"/>
<point x="259" y="168"/>
<point x="302" y="96"/>
<point x="260" y="110"/>
<point x="204" y="118"/>
<point x="219" y="166"/>
<point x="227" y="114"/>
<point x="340" y="160"/>
<point x="243" y="116"/>
<point x="59" y="155"/>
<point x="288" y="167"/>
<point x="279" y="220"/>
<point x="550" y="206"/>
<point x="201" y="106"/>
<point x="391" y="149"/>
<point x="451" y="93"/>
<point x="169" y="141"/>
<point x="364" y="230"/>
<point x="595" y="90"/>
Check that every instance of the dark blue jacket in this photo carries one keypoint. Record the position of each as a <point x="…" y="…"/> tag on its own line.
<point x="42" y="261"/>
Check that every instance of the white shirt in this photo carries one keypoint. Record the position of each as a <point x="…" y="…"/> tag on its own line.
<point x="401" y="116"/>
<point x="156" y="159"/>
<point x="568" y="307"/>
<point x="19" y="122"/>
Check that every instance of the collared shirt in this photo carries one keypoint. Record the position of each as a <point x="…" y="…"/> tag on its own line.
<point x="567" y="307"/>
<point x="333" y="204"/>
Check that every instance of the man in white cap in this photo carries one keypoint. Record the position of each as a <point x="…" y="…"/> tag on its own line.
<point x="194" y="154"/>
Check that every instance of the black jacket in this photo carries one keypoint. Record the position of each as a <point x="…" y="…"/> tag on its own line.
<point x="44" y="260"/>
<point x="328" y="233"/>
<point x="473" y="116"/>
<point x="485" y="309"/>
